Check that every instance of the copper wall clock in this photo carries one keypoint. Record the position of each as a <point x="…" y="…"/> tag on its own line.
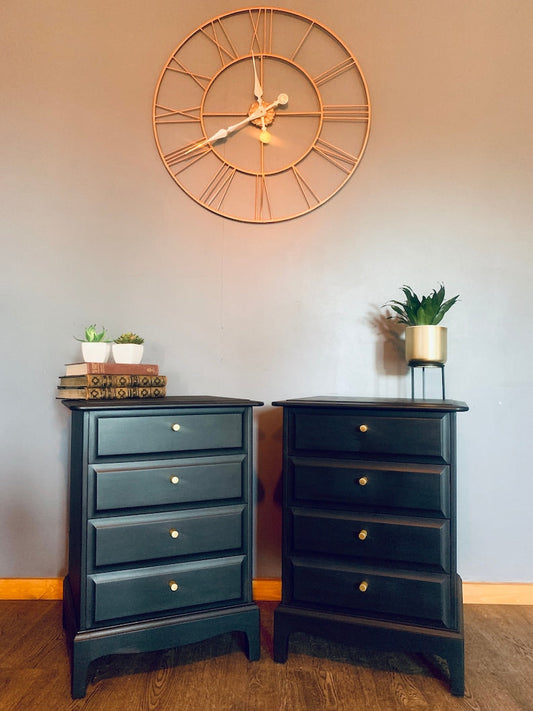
<point x="261" y="114"/>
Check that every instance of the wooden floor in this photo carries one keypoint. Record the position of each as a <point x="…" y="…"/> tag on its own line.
<point x="215" y="675"/>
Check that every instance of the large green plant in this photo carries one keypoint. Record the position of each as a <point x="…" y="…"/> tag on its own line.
<point x="421" y="311"/>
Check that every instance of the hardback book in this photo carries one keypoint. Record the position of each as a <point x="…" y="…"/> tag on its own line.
<point x="100" y="380"/>
<point x="111" y="368"/>
<point x="109" y="393"/>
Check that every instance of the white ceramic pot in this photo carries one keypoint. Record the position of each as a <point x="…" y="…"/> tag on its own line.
<point x="128" y="352"/>
<point x="95" y="351"/>
<point x="426" y="344"/>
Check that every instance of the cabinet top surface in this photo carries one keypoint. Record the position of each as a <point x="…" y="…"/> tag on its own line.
<point x="160" y="403"/>
<point x="363" y="403"/>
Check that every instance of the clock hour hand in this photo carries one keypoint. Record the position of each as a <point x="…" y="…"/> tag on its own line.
<point x="258" y="113"/>
<point x="258" y="89"/>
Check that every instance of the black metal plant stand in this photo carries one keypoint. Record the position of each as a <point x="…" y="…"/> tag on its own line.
<point x="414" y="365"/>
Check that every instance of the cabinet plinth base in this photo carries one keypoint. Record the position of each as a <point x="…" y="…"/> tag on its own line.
<point x="165" y="633"/>
<point x="372" y="634"/>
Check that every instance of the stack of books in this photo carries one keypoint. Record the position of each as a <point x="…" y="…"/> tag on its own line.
<point x="111" y="381"/>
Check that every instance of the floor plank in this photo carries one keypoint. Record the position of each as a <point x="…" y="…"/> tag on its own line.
<point x="215" y="674"/>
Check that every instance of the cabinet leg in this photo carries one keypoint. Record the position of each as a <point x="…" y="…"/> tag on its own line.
<point x="281" y="641"/>
<point x="251" y="631"/>
<point x="456" y="668"/>
<point x="253" y="643"/>
<point x="80" y="668"/>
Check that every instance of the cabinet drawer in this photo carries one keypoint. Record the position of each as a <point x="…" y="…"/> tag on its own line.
<point x="382" y="592"/>
<point x="124" y="539"/>
<point x="171" y="432"/>
<point x="165" y="588"/>
<point x="417" y="541"/>
<point x="411" y="486"/>
<point x="416" y="435"/>
<point x="126" y="486"/>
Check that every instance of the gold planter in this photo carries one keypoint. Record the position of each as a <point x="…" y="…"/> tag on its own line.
<point x="426" y="345"/>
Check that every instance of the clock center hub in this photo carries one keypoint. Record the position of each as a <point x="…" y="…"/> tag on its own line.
<point x="267" y="117"/>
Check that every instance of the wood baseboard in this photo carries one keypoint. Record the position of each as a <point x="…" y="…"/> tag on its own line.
<point x="31" y="588"/>
<point x="498" y="593"/>
<point x="269" y="589"/>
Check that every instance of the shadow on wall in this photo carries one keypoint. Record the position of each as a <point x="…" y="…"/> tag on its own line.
<point x="269" y="448"/>
<point x="390" y="346"/>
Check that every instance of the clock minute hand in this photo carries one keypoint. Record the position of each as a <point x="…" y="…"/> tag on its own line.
<point x="258" y="89"/>
<point x="258" y="113"/>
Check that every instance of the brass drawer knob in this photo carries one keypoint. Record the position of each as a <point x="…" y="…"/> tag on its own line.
<point x="175" y="427"/>
<point x="174" y="533"/>
<point x="363" y="481"/>
<point x="363" y="587"/>
<point x="174" y="479"/>
<point x="363" y="428"/>
<point x="173" y="585"/>
<point x="362" y="535"/>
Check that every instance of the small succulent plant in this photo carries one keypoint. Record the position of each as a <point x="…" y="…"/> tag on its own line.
<point x="421" y="311"/>
<point x="129" y="338"/>
<point x="93" y="336"/>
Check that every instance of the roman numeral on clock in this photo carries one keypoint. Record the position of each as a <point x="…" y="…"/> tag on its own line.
<point x="346" y="112"/>
<point x="217" y="188"/>
<point x="262" y="20"/>
<point x="175" y="65"/>
<point x="262" y="200"/>
<point x="217" y="33"/>
<point x="308" y="194"/>
<point x="341" y="159"/>
<point x="164" y="114"/>
<point x="187" y="155"/>
<point x="335" y="71"/>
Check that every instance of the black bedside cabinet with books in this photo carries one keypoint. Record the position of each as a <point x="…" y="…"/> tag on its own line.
<point x="161" y="526"/>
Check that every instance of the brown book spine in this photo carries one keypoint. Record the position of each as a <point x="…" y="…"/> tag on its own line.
<point x="110" y="393"/>
<point x="112" y="368"/>
<point x="99" y="380"/>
